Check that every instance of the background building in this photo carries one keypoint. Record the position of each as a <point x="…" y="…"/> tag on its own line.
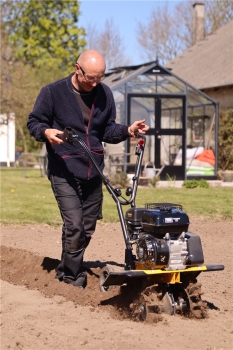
<point x="180" y="102"/>
<point x="7" y="139"/>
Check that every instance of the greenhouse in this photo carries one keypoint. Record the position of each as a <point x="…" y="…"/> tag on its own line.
<point x="182" y="140"/>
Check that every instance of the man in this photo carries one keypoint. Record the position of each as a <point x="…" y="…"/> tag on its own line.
<point x="82" y="102"/>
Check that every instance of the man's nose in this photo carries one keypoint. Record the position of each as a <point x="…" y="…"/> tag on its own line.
<point x="94" y="83"/>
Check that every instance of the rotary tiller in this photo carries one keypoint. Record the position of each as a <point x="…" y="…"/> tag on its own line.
<point x="162" y="257"/>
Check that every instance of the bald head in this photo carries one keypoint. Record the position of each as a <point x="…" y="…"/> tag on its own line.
<point x="89" y="70"/>
<point x="92" y="60"/>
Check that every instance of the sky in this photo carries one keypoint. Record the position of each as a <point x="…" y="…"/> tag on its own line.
<point x="126" y="14"/>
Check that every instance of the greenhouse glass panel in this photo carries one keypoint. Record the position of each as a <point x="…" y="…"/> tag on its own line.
<point x="143" y="108"/>
<point x="170" y="150"/>
<point x="183" y="120"/>
<point x="201" y="141"/>
<point x="172" y="113"/>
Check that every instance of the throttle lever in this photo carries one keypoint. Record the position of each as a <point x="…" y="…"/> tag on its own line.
<point x="67" y="135"/>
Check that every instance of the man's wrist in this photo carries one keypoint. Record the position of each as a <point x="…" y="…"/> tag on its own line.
<point x="130" y="131"/>
<point x="43" y="132"/>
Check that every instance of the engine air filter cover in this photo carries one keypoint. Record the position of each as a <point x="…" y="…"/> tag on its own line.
<point x="161" y="218"/>
<point x="134" y="216"/>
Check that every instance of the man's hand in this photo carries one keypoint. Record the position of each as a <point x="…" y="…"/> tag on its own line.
<point x="138" y="126"/>
<point x="53" y="136"/>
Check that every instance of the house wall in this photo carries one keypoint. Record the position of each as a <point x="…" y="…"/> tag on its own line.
<point x="7" y="139"/>
<point x="223" y="95"/>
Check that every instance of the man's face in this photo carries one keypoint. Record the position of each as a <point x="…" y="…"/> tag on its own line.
<point x="87" y="80"/>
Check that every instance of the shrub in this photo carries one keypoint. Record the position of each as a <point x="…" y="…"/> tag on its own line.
<point x="154" y="181"/>
<point x="203" y="183"/>
<point x="196" y="183"/>
<point x="225" y="140"/>
<point x="119" y="179"/>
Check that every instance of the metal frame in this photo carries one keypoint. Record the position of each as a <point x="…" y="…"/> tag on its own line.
<point x="123" y="79"/>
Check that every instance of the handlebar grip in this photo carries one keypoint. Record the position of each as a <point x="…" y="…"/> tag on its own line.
<point x="67" y="135"/>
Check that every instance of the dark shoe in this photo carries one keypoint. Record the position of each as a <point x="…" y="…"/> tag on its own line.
<point x="80" y="282"/>
<point x="59" y="272"/>
<point x="88" y="239"/>
<point x="59" y="277"/>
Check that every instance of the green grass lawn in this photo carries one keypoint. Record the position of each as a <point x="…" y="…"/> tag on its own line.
<point x="30" y="200"/>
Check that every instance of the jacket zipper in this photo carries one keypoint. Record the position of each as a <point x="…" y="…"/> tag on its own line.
<point x="87" y="140"/>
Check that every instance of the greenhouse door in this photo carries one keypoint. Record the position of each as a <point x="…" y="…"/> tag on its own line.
<point x="165" y="114"/>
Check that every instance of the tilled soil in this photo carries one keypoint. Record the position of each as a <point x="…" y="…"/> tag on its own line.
<point x="39" y="312"/>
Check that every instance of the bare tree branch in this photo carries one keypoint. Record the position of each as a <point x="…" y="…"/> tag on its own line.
<point x="167" y="34"/>
<point x="109" y="43"/>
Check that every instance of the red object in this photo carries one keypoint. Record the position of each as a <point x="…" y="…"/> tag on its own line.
<point x="140" y="143"/>
<point x="207" y="156"/>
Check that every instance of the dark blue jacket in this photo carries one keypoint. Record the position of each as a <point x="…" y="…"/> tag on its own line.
<point x="57" y="107"/>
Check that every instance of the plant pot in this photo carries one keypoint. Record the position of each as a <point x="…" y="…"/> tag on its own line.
<point x="227" y="177"/>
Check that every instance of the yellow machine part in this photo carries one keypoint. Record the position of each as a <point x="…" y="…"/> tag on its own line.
<point x="166" y="276"/>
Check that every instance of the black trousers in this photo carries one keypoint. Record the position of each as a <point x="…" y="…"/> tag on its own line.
<point x="80" y="204"/>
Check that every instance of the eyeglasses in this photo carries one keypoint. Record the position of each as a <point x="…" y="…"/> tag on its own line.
<point x="90" y="78"/>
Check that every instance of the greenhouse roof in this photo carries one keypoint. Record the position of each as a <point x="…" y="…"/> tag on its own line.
<point x="152" y="78"/>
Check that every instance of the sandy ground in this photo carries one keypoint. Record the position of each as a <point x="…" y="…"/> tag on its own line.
<point x="38" y="312"/>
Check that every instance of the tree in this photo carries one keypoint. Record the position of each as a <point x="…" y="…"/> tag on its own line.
<point x="218" y="13"/>
<point x="20" y="84"/>
<point x="29" y="56"/>
<point x="109" y="42"/>
<point x="44" y="32"/>
<point x="225" y="140"/>
<point x="160" y="36"/>
<point x="167" y="34"/>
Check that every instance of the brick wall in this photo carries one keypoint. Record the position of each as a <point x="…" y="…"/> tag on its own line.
<point x="223" y="95"/>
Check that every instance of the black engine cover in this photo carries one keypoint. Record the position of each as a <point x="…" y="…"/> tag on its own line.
<point x="133" y="217"/>
<point x="195" y="249"/>
<point x="163" y="219"/>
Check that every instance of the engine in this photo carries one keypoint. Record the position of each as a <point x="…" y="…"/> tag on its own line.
<point x="162" y="253"/>
<point x="160" y="232"/>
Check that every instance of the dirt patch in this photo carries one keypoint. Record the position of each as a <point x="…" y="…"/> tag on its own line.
<point x="39" y="312"/>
